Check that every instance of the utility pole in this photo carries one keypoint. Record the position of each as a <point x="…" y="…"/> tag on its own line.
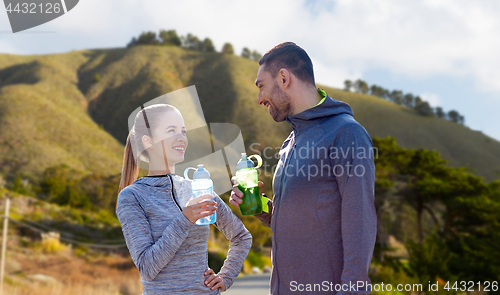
<point x="4" y="242"/>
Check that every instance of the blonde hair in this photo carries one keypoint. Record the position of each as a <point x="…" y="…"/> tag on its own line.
<point x="145" y="121"/>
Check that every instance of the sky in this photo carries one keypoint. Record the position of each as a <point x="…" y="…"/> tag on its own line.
<point x="446" y="51"/>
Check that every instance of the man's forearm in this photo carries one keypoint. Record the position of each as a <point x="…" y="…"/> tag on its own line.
<point x="266" y="217"/>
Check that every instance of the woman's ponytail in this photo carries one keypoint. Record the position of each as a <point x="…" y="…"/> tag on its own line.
<point x="130" y="170"/>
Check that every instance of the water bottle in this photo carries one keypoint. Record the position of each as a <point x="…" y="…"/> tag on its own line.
<point x="202" y="185"/>
<point x="248" y="184"/>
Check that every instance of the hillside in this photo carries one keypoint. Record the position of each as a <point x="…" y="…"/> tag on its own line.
<point x="44" y="119"/>
<point x="52" y="107"/>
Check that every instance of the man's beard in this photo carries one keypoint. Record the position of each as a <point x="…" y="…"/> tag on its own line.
<point x="280" y="108"/>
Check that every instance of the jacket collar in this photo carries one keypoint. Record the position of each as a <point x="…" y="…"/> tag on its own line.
<point x="309" y="117"/>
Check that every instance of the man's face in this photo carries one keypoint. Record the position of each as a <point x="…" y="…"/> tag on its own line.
<point x="272" y="95"/>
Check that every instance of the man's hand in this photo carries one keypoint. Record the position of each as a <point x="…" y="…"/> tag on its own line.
<point x="237" y="195"/>
<point x="200" y="207"/>
<point x="214" y="280"/>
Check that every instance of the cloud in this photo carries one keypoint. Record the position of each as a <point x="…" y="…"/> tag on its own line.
<point x="419" y="39"/>
<point x="345" y="37"/>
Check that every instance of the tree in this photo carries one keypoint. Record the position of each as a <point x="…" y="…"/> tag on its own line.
<point x="192" y="42"/>
<point x="397" y="97"/>
<point x="440" y="113"/>
<point x="60" y="185"/>
<point x="454" y="116"/>
<point x="54" y="181"/>
<point x="418" y="101"/>
<point x="424" y="109"/>
<point x="459" y="236"/>
<point x="21" y="185"/>
<point x="147" y="38"/>
<point x="348" y="85"/>
<point x="429" y="260"/>
<point x="387" y="95"/>
<point x="132" y="42"/>
<point x="100" y="190"/>
<point x="461" y="120"/>
<point x="423" y="168"/>
<point x="246" y="53"/>
<point x="361" y="86"/>
<point x="472" y="228"/>
<point x="408" y="100"/>
<point x="255" y="56"/>
<point x="207" y="45"/>
<point x="227" y="48"/>
<point x="377" y="91"/>
<point x="169" y="38"/>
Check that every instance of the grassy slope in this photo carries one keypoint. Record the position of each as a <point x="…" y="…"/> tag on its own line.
<point x="44" y="119"/>
<point x="225" y="84"/>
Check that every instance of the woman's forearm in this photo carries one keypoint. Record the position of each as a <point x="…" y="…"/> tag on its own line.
<point x="241" y="241"/>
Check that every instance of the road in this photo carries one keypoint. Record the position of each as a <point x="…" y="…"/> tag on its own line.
<point x="250" y="285"/>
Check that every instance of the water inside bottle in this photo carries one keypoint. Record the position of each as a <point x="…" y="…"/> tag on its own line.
<point x="247" y="177"/>
<point x="204" y="191"/>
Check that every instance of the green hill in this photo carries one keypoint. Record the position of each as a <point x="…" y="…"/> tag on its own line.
<point x="52" y="107"/>
<point x="44" y="119"/>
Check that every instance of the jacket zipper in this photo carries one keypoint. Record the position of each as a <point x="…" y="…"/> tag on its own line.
<point x="173" y="194"/>
<point x="288" y="159"/>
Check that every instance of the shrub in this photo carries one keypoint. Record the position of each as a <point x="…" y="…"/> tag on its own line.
<point x="52" y="245"/>
<point x="81" y="251"/>
<point x="258" y="259"/>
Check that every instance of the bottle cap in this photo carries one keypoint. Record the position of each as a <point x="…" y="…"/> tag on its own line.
<point x="245" y="162"/>
<point x="201" y="173"/>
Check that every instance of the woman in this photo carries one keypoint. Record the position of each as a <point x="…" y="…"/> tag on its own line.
<point x="158" y="215"/>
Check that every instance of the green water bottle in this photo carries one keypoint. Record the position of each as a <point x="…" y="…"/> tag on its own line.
<point x="248" y="184"/>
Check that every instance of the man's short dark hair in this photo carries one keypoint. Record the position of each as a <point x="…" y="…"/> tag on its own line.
<point x="290" y="56"/>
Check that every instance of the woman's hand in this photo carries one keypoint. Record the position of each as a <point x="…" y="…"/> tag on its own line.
<point x="214" y="280"/>
<point x="200" y="207"/>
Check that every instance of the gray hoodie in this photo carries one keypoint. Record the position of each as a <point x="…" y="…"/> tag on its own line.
<point x="322" y="215"/>
<point x="170" y="251"/>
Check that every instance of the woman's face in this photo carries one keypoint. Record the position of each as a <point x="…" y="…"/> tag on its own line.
<point x="170" y="141"/>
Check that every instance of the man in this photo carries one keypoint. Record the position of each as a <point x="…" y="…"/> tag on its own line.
<point x="322" y="215"/>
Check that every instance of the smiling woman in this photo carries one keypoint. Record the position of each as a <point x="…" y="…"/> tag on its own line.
<point x="158" y="213"/>
<point x="170" y="142"/>
<point x="154" y="128"/>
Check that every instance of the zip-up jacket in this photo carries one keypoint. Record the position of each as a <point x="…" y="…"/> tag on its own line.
<point x="170" y="251"/>
<point x="322" y="214"/>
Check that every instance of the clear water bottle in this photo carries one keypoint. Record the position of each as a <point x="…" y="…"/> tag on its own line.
<point x="202" y="185"/>
<point x="248" y="184"/>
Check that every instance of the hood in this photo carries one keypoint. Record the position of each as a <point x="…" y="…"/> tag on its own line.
<point x="329" y="107"/>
